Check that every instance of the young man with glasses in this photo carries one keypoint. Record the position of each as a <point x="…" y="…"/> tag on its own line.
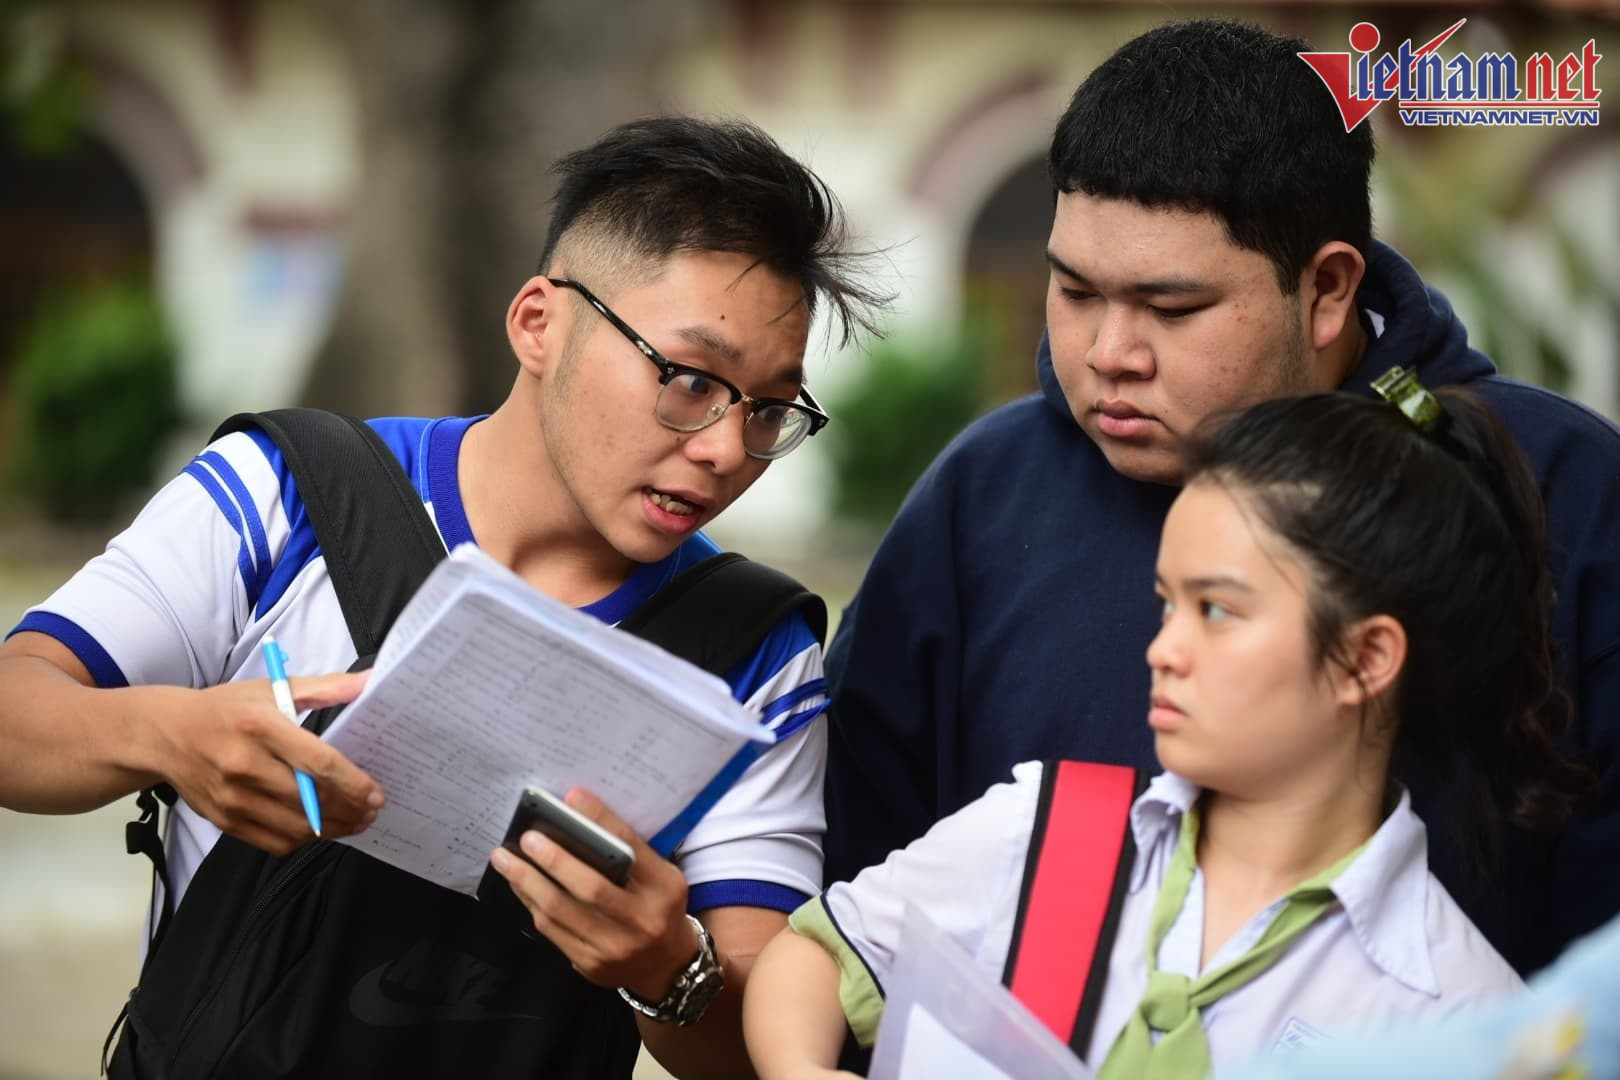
<point x="591" y="480"/>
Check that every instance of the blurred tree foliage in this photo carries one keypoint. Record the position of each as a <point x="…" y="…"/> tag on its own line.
<point x="92" y="395"/>
<point x="44" y="101"/>
<point x="86" y="361"/>
<point x="911" y="399"/>
<point x="1456" y="221"/>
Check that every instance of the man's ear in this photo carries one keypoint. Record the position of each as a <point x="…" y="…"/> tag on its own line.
<point x="1375" y="650"/>
<point x="1329" y="283"/>
<point x="535" y="326"/>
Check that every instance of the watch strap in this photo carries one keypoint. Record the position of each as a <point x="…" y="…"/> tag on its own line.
<point x="694" y="990"/>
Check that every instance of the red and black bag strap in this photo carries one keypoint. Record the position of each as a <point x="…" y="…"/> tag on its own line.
<point x="1075" y="878"/>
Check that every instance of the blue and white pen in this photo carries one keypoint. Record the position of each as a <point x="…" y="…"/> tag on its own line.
<point x="275" y="661"/>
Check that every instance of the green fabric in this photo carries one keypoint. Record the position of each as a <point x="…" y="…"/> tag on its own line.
<point x="1171" y="1002"/>
<point x="858" y="993"/>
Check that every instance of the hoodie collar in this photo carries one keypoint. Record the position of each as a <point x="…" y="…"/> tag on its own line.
<point x="1419" y="328"/>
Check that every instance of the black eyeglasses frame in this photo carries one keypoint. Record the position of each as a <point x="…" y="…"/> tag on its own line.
<point x="669" y="369"/>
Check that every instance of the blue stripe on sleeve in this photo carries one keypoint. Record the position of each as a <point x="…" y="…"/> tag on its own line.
<point x="244" y="561"/>
<point x="800" y="720"/>
<point x="792" y="698"/>
<point x="788" y="639"/>
<point x="301" y="549"/>
<point x="250" y="514"/>
<point x="762" y="894"/>
<point x="107" y="674"/>
<point x="401" y="434"/>
<point x="278" y="464"/>
<point x="670" y="836"/>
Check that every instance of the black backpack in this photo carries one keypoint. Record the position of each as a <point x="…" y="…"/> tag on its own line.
<point x="328" y="962"/>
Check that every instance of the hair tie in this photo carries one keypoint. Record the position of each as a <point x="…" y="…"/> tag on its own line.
<point x="1402" y="389"/>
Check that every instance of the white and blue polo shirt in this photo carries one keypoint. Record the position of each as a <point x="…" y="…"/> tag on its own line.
<point x="225" y="554"/>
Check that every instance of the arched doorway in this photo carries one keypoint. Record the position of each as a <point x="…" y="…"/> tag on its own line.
<point x="1005" y="275"/>
<point x="71" y="217"/>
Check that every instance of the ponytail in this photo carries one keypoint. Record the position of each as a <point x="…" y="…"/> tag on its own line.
<point x="1512" y="768"/>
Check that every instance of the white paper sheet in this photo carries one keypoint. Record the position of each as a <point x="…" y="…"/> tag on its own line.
<point x="932" y="1052"/>
<point x="945" y="1016"/>
<point x="484" y="686"/>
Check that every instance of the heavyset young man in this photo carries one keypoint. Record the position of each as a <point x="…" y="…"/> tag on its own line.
<point x="591" y="480"/>
<point x="1211" y="246"/>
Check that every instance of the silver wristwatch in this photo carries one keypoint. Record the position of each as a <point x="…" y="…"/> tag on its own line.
<point x="696" y="987"/>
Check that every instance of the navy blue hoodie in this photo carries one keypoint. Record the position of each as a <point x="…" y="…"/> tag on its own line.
<point x="1007" y="613"/>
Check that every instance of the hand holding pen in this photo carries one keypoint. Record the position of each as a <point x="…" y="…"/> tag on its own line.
<point x="231" y="754"/>
<point x="275" y="661"/>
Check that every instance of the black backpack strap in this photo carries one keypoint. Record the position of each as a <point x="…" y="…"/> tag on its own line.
<point x="142" y="837"/>
<point x="377" y="539"/>
<point x="1075" y="878"/>
<point x="716" y="613"/>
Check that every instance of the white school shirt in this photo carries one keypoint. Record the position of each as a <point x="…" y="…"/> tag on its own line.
<point x="224" y="554"/>
<point x="1395" y="946"/>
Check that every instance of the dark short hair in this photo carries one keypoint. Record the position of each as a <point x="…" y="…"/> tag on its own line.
<point x="1445" y="532"/>
<point x="664" y="185"/>
<point x="1221" y="117"/>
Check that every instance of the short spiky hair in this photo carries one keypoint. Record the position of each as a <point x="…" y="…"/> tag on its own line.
<point x="1216" y="116"/>
<point x="659" y="186"/>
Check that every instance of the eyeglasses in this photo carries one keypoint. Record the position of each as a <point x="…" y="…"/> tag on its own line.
<point x="691" y="399"/>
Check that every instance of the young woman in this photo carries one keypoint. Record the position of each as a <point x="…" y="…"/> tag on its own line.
<point x="1340" y="578"/>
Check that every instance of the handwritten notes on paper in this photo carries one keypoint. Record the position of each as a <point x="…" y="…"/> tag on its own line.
<point x="484" y="686"/>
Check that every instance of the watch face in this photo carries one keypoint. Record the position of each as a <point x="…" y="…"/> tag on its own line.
<point x="705" y="989"/>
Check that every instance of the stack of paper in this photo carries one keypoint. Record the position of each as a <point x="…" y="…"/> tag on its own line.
<point x="484" y="686"/>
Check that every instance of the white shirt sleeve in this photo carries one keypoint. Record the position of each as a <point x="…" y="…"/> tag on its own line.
<point x="166" y="601"/>
<point x="760" y="844"/>
<point x="963" y="874"/>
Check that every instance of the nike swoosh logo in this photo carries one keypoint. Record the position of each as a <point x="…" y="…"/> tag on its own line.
<point x="370" y="1004"/>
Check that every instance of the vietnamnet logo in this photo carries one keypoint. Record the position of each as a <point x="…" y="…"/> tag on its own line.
<point x="1430" y="90"/>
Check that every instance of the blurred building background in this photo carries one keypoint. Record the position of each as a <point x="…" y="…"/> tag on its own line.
<point x="208" y="206"/>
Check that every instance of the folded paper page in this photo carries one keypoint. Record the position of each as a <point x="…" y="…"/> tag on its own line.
<point x="485" y="686"/>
